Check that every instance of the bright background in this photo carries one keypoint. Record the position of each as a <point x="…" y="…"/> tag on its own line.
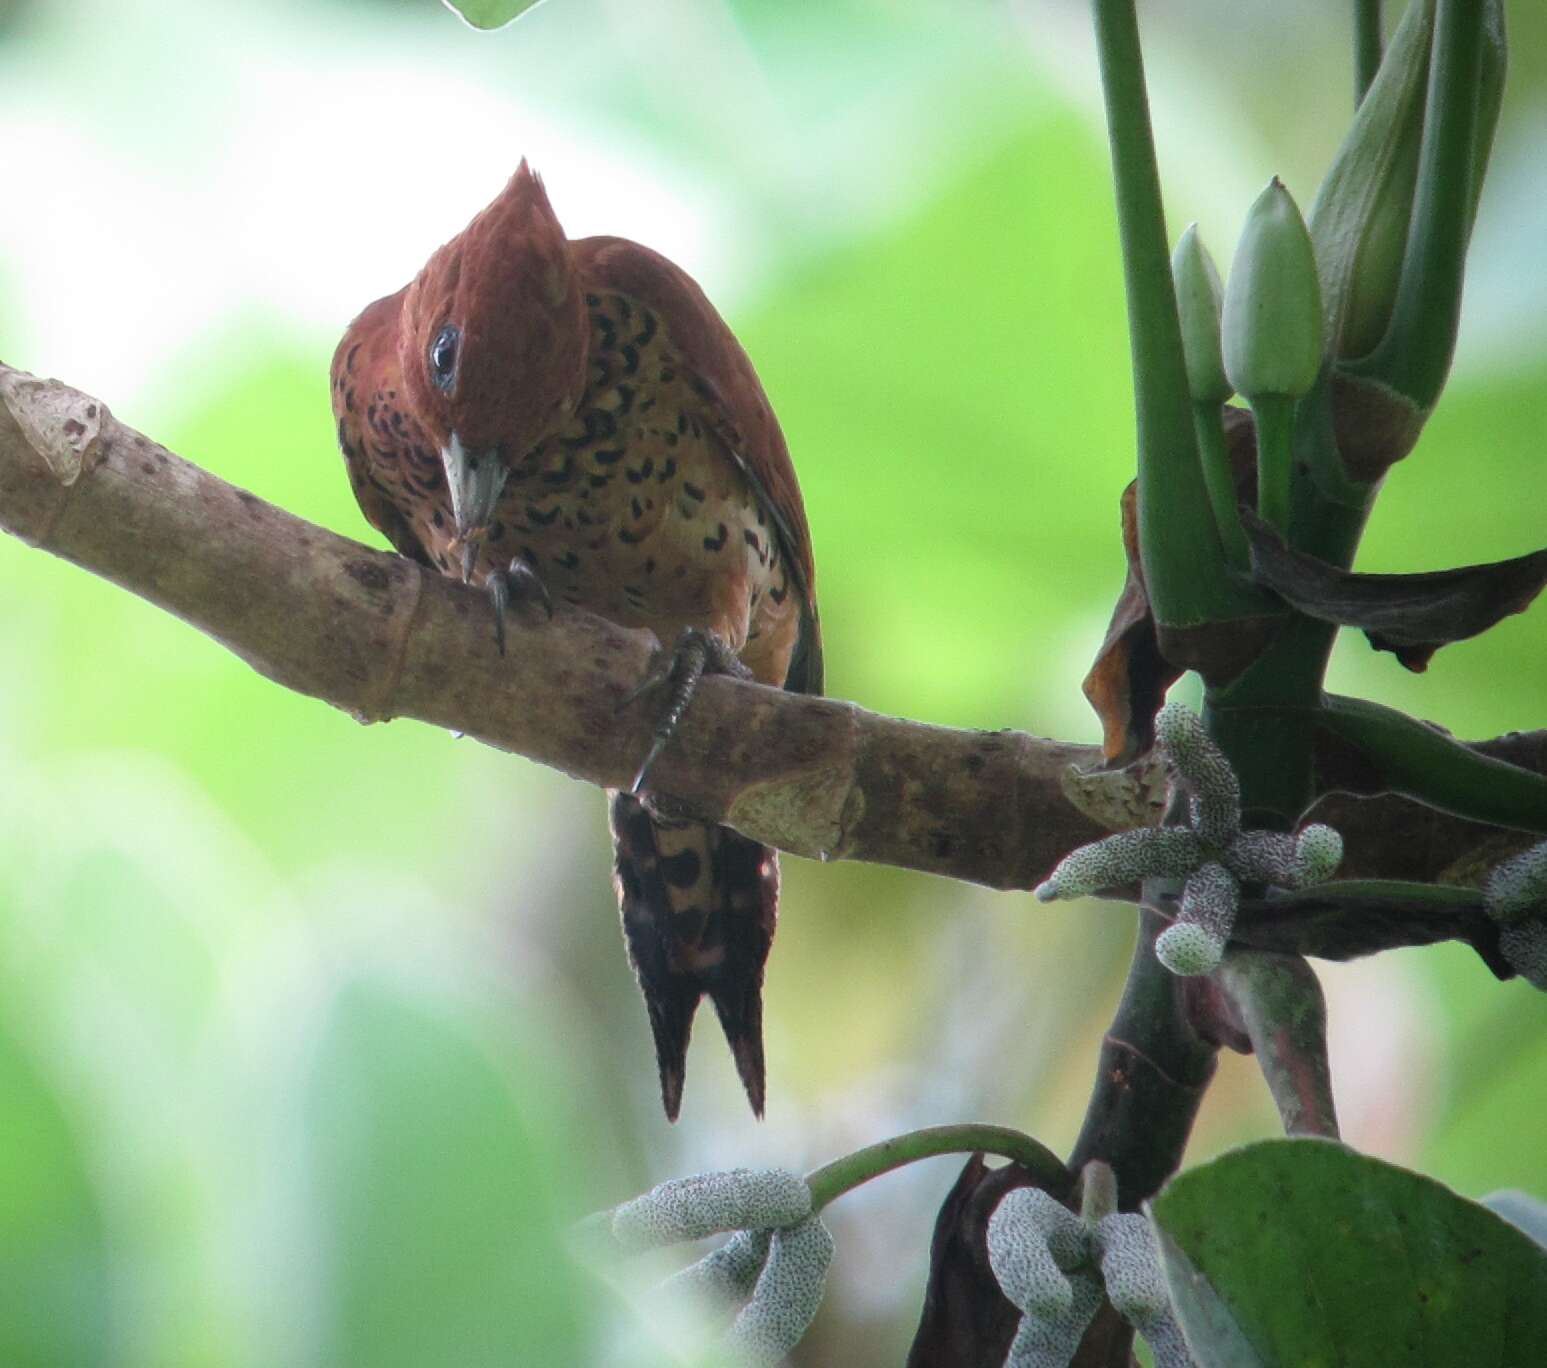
<point x="310" y="1033"/>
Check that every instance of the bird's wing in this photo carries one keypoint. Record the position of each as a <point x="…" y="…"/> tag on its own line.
<point x="734" y="407"/>
<point x="375" y="434"/>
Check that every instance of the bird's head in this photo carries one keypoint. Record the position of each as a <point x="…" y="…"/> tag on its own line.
<point x="492" y="344"/>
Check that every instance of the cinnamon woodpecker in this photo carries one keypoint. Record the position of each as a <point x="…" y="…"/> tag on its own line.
<point x="573" y="422"/>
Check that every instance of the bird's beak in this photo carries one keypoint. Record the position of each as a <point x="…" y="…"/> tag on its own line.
<point x="475" y="482"/>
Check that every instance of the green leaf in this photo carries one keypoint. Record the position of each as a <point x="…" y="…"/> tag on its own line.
<point x="1306" y="1252"/>
<point x="489" y="14"/>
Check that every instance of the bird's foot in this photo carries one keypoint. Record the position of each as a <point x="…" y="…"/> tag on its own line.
<point x="518" y="589"/>
<point x="696" y="653"/>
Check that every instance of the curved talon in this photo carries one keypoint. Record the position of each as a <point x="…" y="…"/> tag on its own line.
<point x="696" y="652"/>
<point x="656" y="747"/>
<point x="520" y="584"/>
<point x="498" y="586"/>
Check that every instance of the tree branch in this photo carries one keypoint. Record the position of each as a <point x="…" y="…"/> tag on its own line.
<point x="378" y="636"/>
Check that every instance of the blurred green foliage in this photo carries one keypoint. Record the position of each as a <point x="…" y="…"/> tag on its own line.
<point x="312" y="1034"/>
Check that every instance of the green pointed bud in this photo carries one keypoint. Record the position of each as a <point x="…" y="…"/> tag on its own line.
<point x="1360" y="218"/>
<point x="1199" y="299"/>
<point x="1363" y="215"/>
<point x="1271" y="327"/>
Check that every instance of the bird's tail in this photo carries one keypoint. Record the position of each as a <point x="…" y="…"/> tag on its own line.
<point x="698" y="904"/>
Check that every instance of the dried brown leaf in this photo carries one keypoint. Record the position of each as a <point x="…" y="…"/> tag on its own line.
<point x="1411" y="616"/>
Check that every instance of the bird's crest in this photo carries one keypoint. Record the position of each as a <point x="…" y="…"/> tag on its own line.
<point x="508" y="288"/>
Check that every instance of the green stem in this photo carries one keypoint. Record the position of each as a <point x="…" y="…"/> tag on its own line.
<point x="1275" y="415"/>
<point x="1150" y="1080"/>
<point x="1208" y="424"/>
<point x="1183" y="559"/>
<point x="844" y="1174"/>
<point x="1367" y="39"/>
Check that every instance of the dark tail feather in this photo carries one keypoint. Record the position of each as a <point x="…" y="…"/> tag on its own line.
<point x="698" y="905"/>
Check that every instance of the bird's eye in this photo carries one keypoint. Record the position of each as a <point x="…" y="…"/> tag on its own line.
<point x="443" y="357"/>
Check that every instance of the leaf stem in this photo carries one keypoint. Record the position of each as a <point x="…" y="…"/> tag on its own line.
<point x="1208" y="424"/>
<point x="1183" y="559"/>
<point x="849" y="1171"/>
<point x="1275" y="415"/>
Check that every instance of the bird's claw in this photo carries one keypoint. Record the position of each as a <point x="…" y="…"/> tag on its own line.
<point x="696" y="652"/>
<point x="519" y="587"/>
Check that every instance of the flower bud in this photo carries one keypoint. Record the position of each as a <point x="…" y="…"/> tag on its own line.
<point x="1362" y="217"/>
<point x="1130" y="1268"/>
<point x="786" y="1297"/>
<point x="1318" y="853"/>
<point x="1205" y="769"/>
<point x="1271" y="327"/>
<point x="708" y="1203"/>
<point x="1111" y="862"/>
<point x="1051" y="1341"/>
<point x="1199" y="299"/>
<point x="1195" y="942"/>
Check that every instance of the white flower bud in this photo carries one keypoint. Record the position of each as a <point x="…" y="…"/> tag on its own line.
<point x="1130" y="1267"/>
<point x="1032" y="1241"/>
<point x="788" y="1293"/>
<point x="1318" y="853"/>
<point x="1188" y="951"/>
<point x="1195" y="942"/>
<point x="1166" y="1342"/>
<point x="1167" y="852"/>
<point x="1050" y="1341"/>
<point x="690" y="1208"/>
<point x="1203" y="767"/>
<point x="724" y="1276"/>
